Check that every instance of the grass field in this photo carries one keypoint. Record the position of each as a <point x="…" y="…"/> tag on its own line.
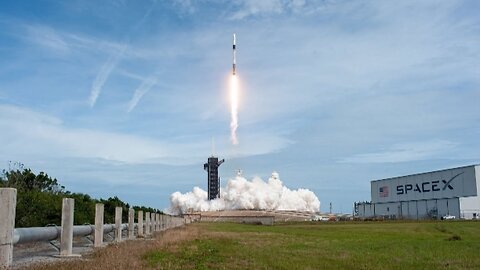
<point x="336" y="245"/>
<point x="382" y="245"/>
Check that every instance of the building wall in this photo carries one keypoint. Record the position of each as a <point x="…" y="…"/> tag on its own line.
<point x="451" y="183"/>
<point x="426" y="195"/>
<point x="477" y="173"/>
<point x="470" y="207"/>
<point x="421" y="209"/>
<point x="365" y="209"/>
<point x="386" y="209"/>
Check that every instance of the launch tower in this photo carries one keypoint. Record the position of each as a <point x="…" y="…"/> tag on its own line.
<point x="213" y="180"/>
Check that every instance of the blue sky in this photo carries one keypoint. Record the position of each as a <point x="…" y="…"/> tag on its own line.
<point x="123" y="97"/>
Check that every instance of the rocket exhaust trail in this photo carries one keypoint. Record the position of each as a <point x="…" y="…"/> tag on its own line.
<point x="234" y="99"/>
<point x="234" y="109"/>
<point x="234" y="55"/>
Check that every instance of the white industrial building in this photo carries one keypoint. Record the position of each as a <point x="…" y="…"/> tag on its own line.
<point x="451" y="192"/>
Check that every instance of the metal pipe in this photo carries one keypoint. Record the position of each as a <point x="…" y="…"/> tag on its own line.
<point x="38" y="234"/>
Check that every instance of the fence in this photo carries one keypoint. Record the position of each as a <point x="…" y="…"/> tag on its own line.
<point x="9" y="236"/>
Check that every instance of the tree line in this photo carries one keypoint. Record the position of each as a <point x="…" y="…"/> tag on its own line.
<point x="39" y="200"/>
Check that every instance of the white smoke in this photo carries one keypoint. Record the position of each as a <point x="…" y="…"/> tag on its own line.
<point x="241" y="194"/>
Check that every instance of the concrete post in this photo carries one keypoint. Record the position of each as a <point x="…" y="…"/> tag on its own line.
<point x="140" y="224"/>
<point x="154" y="224"/>
<point x="8" y="203"/>
<point x="66" y="236"/>
<point x="152" y="220"/>
<point x="99" y="220"/>
<point x="118" y="224"/>
<point x="157" y="224"/>
<point x="161" y="222"/>
<point x="131" y="229"/>
<point x="147" y="223"/>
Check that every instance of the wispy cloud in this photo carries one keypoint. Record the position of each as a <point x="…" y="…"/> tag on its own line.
<point x="249" y="8"/>
<point x="185" y="6"/>
<point x="144" y="87"/>
<point x="254" y="7"/>
<point x="256" y="143"/>
<point x="60" y="41"/>
<point x="48" y="37"/>
<point x="49" y="137"/>
<point x="103" y="75"/>
<point x="406" y="152"/>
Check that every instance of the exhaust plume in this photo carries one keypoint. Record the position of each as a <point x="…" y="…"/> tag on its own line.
<point x="234" y="110"/>
<point x="241" y="194"/>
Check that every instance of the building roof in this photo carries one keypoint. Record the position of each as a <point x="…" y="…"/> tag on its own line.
<point x="474" y="165"/>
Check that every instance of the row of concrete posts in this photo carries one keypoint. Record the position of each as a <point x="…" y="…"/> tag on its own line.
<point x="147" y="224"/>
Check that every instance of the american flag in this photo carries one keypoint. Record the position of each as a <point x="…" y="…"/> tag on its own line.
<point x="383" y="191"/>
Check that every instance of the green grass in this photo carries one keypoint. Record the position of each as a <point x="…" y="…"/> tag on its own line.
<point x="381" y="245"/>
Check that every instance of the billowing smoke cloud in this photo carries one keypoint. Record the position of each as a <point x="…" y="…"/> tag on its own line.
<point x="249" y="195"/>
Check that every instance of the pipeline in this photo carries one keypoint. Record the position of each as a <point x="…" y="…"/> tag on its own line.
<point x="37" y="234"/>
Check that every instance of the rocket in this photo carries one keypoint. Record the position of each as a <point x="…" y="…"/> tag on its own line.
<point x="234" y="57"/>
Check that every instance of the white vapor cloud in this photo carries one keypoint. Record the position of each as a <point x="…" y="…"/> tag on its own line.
<point x="241" y="194"/>
<point x="144" y="87"/>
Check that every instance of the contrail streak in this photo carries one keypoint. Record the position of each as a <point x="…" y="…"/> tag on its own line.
<point x="102" y="77"/>
<point x="112" y="62"/>
<point x="146" y="85"/>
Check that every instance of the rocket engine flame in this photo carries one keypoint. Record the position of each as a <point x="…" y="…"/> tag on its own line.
<point x="234" y="109"/>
